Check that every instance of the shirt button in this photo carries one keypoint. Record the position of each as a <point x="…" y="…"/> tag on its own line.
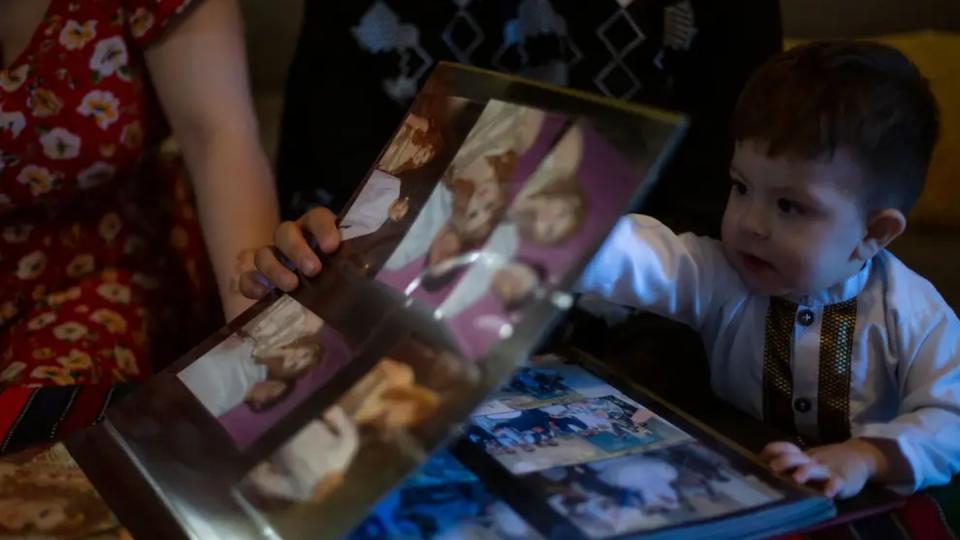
<point x="802" y="405"/>
<point x="805" y="317"/>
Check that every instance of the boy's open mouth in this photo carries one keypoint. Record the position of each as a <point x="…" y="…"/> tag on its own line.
<point x="754" y="264"/>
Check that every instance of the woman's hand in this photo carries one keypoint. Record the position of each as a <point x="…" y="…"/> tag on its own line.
<point x="294" y="245"/>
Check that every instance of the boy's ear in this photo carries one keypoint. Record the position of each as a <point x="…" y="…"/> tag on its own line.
<point x="882" y="228"/>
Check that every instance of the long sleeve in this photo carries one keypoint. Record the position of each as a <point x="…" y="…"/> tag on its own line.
<point x="926" y="429"/>
<point x="645" y="265"/>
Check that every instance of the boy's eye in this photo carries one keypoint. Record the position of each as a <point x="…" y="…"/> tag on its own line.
<point x="739" y="187"/>
<point x="789" y="207"/>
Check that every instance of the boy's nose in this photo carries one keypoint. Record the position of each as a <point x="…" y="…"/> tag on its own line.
<point x="754" y="223"/>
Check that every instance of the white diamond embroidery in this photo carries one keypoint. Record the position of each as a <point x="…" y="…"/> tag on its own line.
<point x="380" y="31"/>
<point x="463" y="53"/>
<point x="617" y="63"/>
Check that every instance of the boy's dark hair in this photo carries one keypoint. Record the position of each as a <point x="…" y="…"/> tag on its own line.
<point x="864" y="97"/>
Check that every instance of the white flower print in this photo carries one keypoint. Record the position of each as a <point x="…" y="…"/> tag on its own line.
<point x="11" y="371"/>
<point x="102" y="106"/>
<point x="44" y="103"/>
<point x="110" y="226"/>
<point x="31" y="265"/>
<point x="126" y="360"/>
<point x="58" y="143"/>
<point x="12" y="121"/>
<point x="109" y="56"/>
<point x="114" y="292"/>
<point x="10" y="80"/>
<point x="140" y="22"/>
<point x="76" y="361"/>
<point x="59" y="298"/>
<point x="95" y="175"/>
<point x="76" y="35"/>
<point x="41" y="321"/>
<point x="80" y="265"/>
<point x="70" y="331"/>
<point x="17" y="233"/>
<point x="40" y="179"/>
<point x="113" y="321"/>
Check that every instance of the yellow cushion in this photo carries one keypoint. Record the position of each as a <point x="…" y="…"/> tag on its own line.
<point x="937" y="54"/>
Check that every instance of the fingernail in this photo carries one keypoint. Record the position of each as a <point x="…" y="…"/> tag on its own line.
<point x="308" y="266"/>
<point x="331" y="242"/>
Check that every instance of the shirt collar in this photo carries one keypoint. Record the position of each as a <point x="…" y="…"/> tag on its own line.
<point x="841" y="292"/>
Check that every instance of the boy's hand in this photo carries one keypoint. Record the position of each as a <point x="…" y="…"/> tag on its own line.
<point x="294" y="245"/>
<point x="843" y="469"/>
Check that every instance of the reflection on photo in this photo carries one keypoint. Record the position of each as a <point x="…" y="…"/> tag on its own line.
<point x="313" y="464"/>
<point x="375" y="434"/>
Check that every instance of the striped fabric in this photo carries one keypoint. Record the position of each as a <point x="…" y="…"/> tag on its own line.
<point x="30" y="416"/>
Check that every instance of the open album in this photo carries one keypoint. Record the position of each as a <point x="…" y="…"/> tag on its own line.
<point x="460" y="251"/>
<point x="564" y="449"/>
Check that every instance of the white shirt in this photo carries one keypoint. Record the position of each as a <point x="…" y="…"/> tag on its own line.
<point x="905" y="363"/>
<point x="416" y="243"/>
<point x="222" y="377"/>
<point x="371" y="208"/>
<point x="316" y="452"/>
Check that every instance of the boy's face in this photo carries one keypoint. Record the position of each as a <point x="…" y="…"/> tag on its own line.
<point x="792" y="226"/>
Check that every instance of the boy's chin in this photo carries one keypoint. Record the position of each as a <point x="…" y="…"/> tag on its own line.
<point x="766" y="284"/>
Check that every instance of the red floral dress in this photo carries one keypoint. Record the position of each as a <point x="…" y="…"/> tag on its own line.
<point x="100" y="255"/>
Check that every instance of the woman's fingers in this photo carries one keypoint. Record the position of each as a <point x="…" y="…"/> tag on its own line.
<point x="322" y="225"/>
<point x="291" y="242"/>
<point x="253" y="285"/>
<point x="270" y="267"/>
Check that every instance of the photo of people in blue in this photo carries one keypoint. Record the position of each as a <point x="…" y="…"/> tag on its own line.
<point x="553" y="414"/>
<point x="442" y="500"/>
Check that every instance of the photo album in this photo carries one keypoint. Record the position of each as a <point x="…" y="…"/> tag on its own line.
<point x="394" y="394"/>
<point x="576" y="452"/>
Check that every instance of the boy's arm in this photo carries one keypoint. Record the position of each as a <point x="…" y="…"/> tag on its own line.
<point x="922" y="444"/>
<point x="644" y="264"/>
